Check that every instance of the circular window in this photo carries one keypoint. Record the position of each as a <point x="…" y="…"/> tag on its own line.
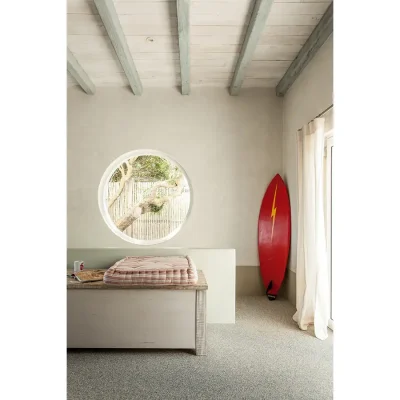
<point x="145" y="197"/>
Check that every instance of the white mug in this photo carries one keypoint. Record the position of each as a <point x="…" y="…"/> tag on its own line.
<point x="78" y="266"/>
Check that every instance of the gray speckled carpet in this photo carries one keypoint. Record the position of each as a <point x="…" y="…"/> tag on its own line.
<point x="263" y="356"/>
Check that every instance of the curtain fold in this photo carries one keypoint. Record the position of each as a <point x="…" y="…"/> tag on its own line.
<point x="312" y="279"/>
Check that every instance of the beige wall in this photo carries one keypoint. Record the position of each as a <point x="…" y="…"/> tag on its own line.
<point x="229" y="146"/>
<point x="311" y="93"/>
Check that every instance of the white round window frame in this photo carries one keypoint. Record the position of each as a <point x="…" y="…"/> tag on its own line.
<point x="102" y="196"/>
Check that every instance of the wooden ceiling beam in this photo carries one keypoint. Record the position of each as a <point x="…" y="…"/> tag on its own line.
<point x="79" y="74"/>
<point x="256" y="26"/>
<point x="183" y="7"/>
<point x="113" y="27"/>
<point x="317" y="38"/>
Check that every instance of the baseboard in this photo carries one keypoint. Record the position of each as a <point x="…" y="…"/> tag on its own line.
<point x="289" y="286"/>
<point x="248" y="281"/>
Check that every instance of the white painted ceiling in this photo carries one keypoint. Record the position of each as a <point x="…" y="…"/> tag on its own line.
<point x="217" y="30"/>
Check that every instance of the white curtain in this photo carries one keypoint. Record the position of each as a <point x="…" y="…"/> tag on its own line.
<point x="312" y="279"/>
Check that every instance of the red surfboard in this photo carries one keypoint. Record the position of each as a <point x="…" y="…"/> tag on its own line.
<point x="274" y="235"/>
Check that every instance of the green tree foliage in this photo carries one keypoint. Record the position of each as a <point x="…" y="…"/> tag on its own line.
<point x="149" y="168"/>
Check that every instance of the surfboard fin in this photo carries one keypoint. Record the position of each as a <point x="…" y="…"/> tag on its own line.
<point x="269" y="295"/>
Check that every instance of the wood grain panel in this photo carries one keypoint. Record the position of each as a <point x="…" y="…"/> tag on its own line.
<point x="147" y="83"/>
<point x="275" y="30"/>
<point x="153" y="44"/>
<point x="199" y="30"/>
<point x="297" y="20"/>
<point x="288" y="30"/>
<point x="318" y="37"/>
<point x="105" y="66"/>
<point x="79" y="24"/>
<point x="168" y="7"/>
<point x="213" y="56"/>
<point x="264" y="82"/>
<point x="218" y="29"/>
<point x="144" y="67"/>
<point x="160" y="73"/>
<point x="165" y="8"/>
<point x="85" y="24"/>
<point x="228" y="62"/>
<point x="282" y="40"/>
<point x="162" y="83"/>
<point x="210" y="82"/>
<point x="159" y="57"/>
<point x="222" y="8"/>
<point x="211" y="74"/>
<point x="253" y="71"/>
<point x="81" y="7"/>
<point x="119" y="78"/>
<point x="149" y="25"/>
<point x="298" y="8"/>
<point x="220" y="60"/>
<point x="246" y="7"/>
<point x="198" y="70"/>
<point x="223" y="48"/>
<point x="110" y="79"/>
<point x="167" y="83"/>
<point x="111" y="66"/>
<point x="201" y="322"/>
<point x="303" y="1"/>
<point x="96" y="46"/>
<point x="238" y="39"/>
<point x="247" y="83"/>
<point x="223" y="19"/>
<point x="216" y="40"/>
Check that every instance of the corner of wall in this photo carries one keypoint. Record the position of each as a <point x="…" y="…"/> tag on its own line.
<point x="307" y="97"/>
<point x="283" y="170"/>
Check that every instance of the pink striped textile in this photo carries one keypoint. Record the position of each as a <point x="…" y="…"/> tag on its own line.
<point x="167" y="270"/>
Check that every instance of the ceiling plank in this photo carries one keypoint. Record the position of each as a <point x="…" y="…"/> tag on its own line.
<point x="184" y="43"/>
<point x="113" y="27"/>
<point x="317" y="38"/>
<point x="256" y="26"/>
<point x="79" y="74"/>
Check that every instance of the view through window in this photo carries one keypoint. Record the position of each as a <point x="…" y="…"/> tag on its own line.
<point x="145" y="197"/>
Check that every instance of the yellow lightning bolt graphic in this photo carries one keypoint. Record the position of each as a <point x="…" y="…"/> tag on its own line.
<point x="273" y="212"/>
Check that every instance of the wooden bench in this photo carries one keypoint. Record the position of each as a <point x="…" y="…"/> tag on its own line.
<point x="140" y="316"/>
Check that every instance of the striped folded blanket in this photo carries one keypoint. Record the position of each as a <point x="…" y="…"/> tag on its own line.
<point x="170" y="270"/>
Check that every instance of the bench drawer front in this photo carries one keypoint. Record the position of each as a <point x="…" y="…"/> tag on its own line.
<point x="131" y="318"/>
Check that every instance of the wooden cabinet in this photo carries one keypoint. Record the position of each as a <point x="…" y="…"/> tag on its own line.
<point x="163" y="317"/>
